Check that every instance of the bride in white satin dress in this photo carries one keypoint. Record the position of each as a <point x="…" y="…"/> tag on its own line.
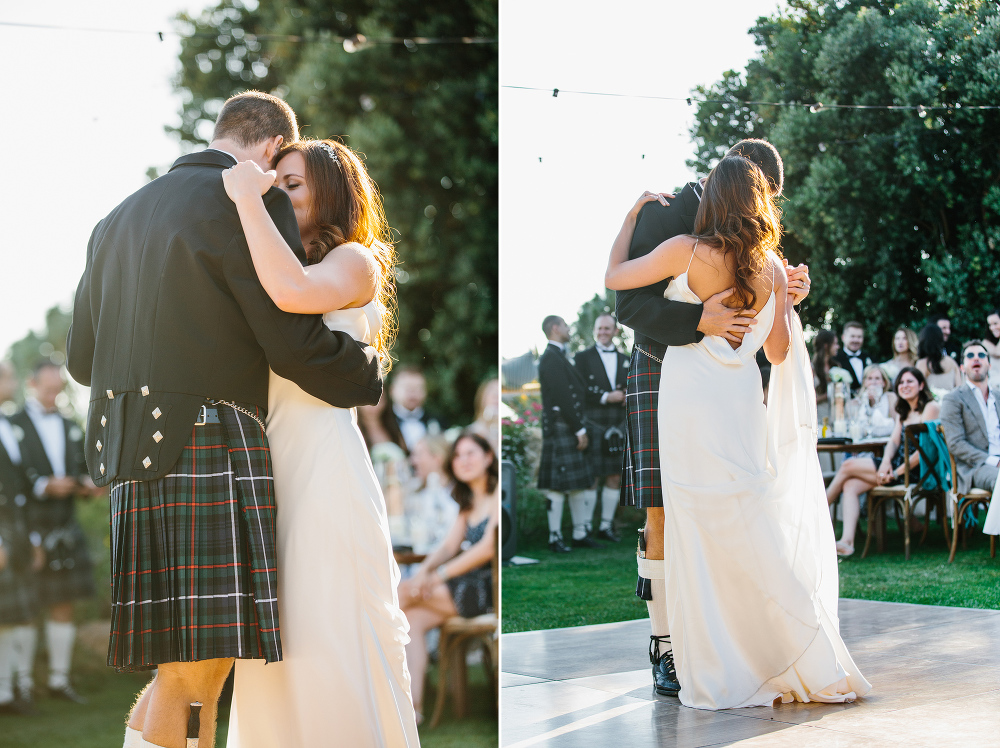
<point x="751" y="566"/>
<point x="343" y="679"/>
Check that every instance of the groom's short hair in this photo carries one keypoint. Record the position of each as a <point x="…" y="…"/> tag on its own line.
<point x="764" y="155"/>
<point x="252" y="117"/>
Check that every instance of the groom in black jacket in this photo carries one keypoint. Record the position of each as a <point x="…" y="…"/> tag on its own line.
<point x="658" y="323"/>
<point x="174" y="334"/>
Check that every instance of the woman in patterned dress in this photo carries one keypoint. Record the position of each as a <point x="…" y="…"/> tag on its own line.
<point x="455" y="579"/>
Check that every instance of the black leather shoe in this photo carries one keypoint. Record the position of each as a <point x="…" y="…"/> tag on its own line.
<point x="608" y="534"/>
<point x="586" y="542"/>
<point x="556" y="545"/>
<point x="66" y="693"/>
<point x="664" y="675"/>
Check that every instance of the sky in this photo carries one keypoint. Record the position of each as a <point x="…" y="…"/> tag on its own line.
<point x="83" y="120"/>
<point x="571" y="166"/>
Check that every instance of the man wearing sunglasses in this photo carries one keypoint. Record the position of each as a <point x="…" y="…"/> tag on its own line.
<point x="971" y="419"/>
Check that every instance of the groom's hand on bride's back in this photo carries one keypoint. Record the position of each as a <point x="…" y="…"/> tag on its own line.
<point x="726" y="322"/>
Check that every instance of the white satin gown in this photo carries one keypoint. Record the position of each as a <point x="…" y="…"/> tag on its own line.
<point x="343" y="680"/>
<point x="751" y="572"/>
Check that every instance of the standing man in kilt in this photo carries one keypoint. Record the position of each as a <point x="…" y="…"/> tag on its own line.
<point x="174" y="333"/>
<point x="20" y="558"/>
<point x="563" y="471"/>
<point x="604" y="370"/>
<point x="658" y="323"/>
<point x="52" y="451"/>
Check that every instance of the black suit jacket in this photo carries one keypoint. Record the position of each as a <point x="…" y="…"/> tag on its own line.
<point x="563" y="391"/>
<point x="653" y="318"/>
<point x="15" y="493"/>
<point x="50" y="512"/>
<point x="595" y="377"/>
<point x="170" y="312"/>
<point x="844" y="362"/>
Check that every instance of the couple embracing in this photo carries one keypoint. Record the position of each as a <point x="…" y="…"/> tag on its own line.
<point x="248" y="288"/>
<point x="738" y="561"/>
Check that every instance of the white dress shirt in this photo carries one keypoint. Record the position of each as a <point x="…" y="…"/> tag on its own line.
<point x="989" y="409"/>
<point x="9" y="440"/>
<point x="857" y="363"/>
<point x="52" y="432"/>
<point x="609" y="357"/>
<point x="410" y="424"/>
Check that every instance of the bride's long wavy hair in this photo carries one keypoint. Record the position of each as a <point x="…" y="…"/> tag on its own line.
<point x="738" y="214"/>
<point x="347" y="207"/>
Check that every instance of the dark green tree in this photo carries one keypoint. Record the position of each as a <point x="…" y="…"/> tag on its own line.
<point x="424" y="115"/>
<point x="47" y="345"/>
<point x="897" y="212"/>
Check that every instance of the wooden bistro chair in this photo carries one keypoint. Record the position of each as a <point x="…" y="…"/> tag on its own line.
<point x="959" y="503"/>
<point x="457" y="636"/>
<point x="906" y="496"/>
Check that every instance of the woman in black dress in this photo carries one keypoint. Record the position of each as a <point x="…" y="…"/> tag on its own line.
<point x="456" y="578"/>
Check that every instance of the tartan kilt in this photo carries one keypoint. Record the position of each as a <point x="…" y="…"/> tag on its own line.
<point x="641" y="485"/>
<point x="68" y="573"/>
<point x="562" y="466"/>
<point x="598" y="420"/>
<point x="18" y="597"/>
<point x="193" y="554"/>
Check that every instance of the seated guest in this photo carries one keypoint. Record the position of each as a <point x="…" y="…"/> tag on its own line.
<point x="857" y="475"/>
<point x="940" y="371"/>
<point x="851" y="356"/>
<point x="971" y="420"/>
<point x="487" y="407"/>
<point x="951" y="345"/>
<point x="904" y="352"/>
<point x="456" y="579"/>
<point x="825" y="347"/>
<point x="430" y="509"/>
<point x="876" y="394"/>
<point x="378" y="425"/>
<point x="991" y="342"/>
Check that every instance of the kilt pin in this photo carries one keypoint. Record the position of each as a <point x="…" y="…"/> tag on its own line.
<point x="195" y="553"/>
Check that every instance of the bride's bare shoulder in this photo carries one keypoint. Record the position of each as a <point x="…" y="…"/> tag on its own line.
<point x="677" y="247"/>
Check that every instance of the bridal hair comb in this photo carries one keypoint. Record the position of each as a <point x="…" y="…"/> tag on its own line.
<point x="330" y="152"/>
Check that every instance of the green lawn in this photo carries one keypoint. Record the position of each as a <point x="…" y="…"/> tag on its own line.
<point x="597" y="586"/>
<point x="101" y="723"/>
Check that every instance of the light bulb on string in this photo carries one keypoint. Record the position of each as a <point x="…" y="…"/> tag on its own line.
<point x="816" y="107"/>
<point x="921" y="111"/>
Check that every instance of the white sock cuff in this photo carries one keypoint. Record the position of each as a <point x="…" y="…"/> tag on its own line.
<point x="652" y="568"/>
<point x="147" y="744"/>
<point x="133" y="738"/>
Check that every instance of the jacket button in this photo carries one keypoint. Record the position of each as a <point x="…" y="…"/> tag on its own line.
<point x="111" y="395"/>
<point x="145" y="390"/>
<point x="102" y="468"/>
<point x="157" y="436"/>
<point x="157" y="413"/>
<point x="99" y="445"/>
<point x="104" y="420"/>
<point x="146" y="463"/>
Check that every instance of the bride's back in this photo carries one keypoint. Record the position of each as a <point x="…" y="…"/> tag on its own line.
<point x="713" y="270"/>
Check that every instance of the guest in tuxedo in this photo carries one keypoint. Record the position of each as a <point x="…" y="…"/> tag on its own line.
<point x="564" y="469"/>
<point x="408" y="393"/>
<point x="53" y="455"/>
<point x="951" y="344"/>
<point x="658" y="323"/>
<point x="604" y="370"/>
<point x="851" y="356"/>
<point x="971" y="419"/>
<point x="378" y="425"/>
<point x="20" y="557"/>
<point x="934" y="362"/>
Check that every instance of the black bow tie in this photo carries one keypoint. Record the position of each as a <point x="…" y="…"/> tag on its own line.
<point x="853" y="355"/>
<point x="602" y="349"/>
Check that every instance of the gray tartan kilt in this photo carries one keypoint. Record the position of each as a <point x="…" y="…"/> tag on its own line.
<point x="68" y="573"/>
<point x="599" y="419"/>
<point x="641" y="485"/>
<point x="18" y="596"/>
<point x="193" y="554"/>
<point x="563" y="467"/>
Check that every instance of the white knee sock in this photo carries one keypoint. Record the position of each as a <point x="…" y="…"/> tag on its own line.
<point x="147" y="744"/>
<point x="581" y="509"/>
<point x="6" y="664"/>
<point x="133" y="738"/>
<point x="25" y="642"/>
<point x="655" y="571"/>
<point x="59" y="637"/>
<point x="556" y="500"/>
<point x="609" y="502"/>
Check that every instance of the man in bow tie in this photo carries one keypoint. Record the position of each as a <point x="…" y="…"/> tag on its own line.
<point x="408" y="394"/>
<point x="53" y="455"/>
<point x="604" y="370"/>
<point x="851" y="357"/>
<point x="564" y="469"/>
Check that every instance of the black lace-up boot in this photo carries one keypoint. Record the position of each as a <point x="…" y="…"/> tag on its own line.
<point x="664" y="675"/>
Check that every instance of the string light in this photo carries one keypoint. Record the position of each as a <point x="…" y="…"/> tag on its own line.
<point x="356" y="42"/>
<point x="814" y="107"/>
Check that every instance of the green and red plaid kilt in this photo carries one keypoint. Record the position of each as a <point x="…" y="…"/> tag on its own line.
<point x="641" y="485"/>
<point x="194" y="553"/>
<point x="562" y="466"/>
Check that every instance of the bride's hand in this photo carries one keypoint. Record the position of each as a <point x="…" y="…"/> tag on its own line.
<point x="648" y="197"/>
<point x="246" y="179"/>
